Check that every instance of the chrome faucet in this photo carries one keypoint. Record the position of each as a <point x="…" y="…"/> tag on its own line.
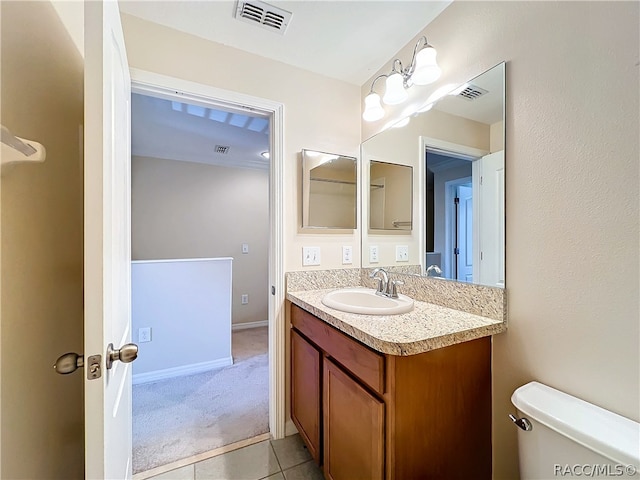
<point x="385" y="288"/>
<point x="383" y="280"/>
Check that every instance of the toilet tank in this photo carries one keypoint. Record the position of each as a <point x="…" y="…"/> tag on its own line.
<point x="572" y="438"/>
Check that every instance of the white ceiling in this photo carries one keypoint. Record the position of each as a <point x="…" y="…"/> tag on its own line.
<point x="346" y="40"/>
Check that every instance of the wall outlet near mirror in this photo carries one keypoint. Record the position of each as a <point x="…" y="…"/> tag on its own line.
<point x="402" y="253"/>
<point x="310" y="256"/>
<point x="347" y="255"/>
<point x="373" y="254"/>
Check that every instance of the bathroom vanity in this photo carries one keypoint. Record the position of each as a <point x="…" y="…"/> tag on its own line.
<point x="392" y="397"/>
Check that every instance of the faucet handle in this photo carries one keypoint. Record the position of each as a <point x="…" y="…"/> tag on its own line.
<point x="393" y="293"/>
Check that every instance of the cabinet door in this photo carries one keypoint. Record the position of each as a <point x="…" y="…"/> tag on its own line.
<point x="306" y="393"/>
<point x="353" y="428"/>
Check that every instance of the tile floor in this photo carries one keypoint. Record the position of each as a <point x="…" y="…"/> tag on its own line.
<point x="286" y="459"/>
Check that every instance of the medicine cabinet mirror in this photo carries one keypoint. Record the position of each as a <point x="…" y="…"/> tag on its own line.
<point x="390" y="198"/>
<point x="329" y="190"/>
<point x="456" y="149"/>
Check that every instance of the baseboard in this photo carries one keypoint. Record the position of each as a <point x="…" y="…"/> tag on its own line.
<point x="290" y="428"/>
<point x="245" y="325"/>
<point x="156" y="375"/>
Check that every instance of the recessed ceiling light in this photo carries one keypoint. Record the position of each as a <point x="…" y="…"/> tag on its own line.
<point x="265" y="155"/>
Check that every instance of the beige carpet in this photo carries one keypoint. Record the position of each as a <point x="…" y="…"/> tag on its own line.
<point x="184" y="416"/>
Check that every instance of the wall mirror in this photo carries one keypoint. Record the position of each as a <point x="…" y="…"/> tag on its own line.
<point x="390" y="197"/>
<point x="329" y="190"/>
<point x="456" y="147"/>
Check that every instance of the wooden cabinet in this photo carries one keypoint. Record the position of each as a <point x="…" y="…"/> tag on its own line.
<point x="353" y="428"/>
<point x="306" y="392"/>
<point x="366" y="415"/>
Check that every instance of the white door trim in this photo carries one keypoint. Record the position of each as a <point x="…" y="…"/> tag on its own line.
<point x="186" y="91"/>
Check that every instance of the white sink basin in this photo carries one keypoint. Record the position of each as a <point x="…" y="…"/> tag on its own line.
<point x="365" y="301"/>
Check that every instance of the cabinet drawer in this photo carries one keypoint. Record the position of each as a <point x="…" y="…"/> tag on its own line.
<point x="360" y="360"/>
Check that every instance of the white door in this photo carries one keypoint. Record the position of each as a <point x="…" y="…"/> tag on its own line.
<point x="465" y="233"/>
<point x="491" y="211"/>
<point x="107" y="260"/>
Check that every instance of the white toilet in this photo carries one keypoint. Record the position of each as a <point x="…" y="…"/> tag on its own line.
<point x="561" y="436"/>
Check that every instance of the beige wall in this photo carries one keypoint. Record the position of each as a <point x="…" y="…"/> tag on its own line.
<point x="192" y="210"/>
<point x="41" y="223"/>
<point x="572" y="194"/>
<point x="319" y="113"/>
<point x="496" y="139"/>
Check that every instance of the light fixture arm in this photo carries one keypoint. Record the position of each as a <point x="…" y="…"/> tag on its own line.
<point x="383" y="75"/>
<point x="408" y="71"/>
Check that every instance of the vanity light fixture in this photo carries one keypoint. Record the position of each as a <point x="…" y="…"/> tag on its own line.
<point x="422" y="70"/>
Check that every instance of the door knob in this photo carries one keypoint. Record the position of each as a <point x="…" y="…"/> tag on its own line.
<point x="126" y="354"/>
<point x="68" y="363"/>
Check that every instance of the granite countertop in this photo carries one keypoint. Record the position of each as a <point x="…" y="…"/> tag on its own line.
<point x="426" y="327"/>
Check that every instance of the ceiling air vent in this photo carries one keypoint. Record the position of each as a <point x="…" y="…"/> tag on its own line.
<point x="262" y="14"/>
<point x="222" y="149"/>
<point x="472" y="92"/>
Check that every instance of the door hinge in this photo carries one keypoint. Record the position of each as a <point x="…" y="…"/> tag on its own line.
<point x="456" y="200"/>
<point x="456" y="251"/>
<point x="273" y="290"/>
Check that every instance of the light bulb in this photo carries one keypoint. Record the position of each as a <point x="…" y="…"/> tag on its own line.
<point x="372" y="108"/>
<point x="427" y="70"/>
<point x="395" y="92"/>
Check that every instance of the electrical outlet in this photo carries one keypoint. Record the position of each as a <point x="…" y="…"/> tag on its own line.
<point x="402" y="253"/>
<point x="310" y="255"/>
<point x="373" y="254"/>
<point x="244" y="298"/>
<point x="347" y="255"/>
<point x="144" y="334"/>
<point x="245" y="248"/>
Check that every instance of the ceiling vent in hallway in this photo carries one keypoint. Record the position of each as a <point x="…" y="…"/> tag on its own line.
<point x="471" y="92"/>
<point x="223" y="149"/>
<point x="267" y="16"/>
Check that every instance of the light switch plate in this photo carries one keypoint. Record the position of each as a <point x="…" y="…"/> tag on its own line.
<point x="402" y="253"/>
<point x="310" y="256"/>
<point x="245" y="248"/>
<point x="373" y="254"/>
<point x="347" y="255"/>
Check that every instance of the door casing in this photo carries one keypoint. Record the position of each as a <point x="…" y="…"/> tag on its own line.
<point x="171" y="88"/>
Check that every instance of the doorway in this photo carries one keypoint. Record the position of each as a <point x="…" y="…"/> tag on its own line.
<point x="210" y="99"/>
<point x="449" y="177"/>
<point x="458" y="211"/>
